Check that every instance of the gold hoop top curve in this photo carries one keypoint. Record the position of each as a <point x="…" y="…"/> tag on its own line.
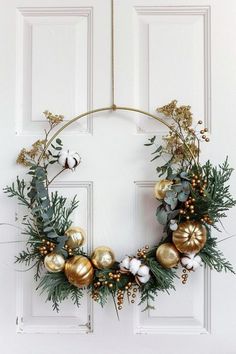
<point x="116" y="108"/>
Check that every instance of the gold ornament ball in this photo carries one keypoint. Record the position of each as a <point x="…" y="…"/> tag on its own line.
<point x="190" y="237"/>
<point x="103" y="257"/>
<point x="79" y="271"/>
<point x="161" y="188"/>
<point x="167" y="255"/>
<point x="76" y="237"/>
<point x="54" y="262"/>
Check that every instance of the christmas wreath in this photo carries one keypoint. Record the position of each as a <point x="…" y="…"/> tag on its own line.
<point x="192" y="198"/>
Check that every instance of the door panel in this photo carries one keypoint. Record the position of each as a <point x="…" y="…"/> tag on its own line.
<point x="56" y="55"/>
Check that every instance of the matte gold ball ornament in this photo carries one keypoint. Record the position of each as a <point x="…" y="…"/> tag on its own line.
<point x="54" y="262"/>
<point x="79" y="271"/>
<point x="76" y="237"/>
<point x="190" y="237"/>
<point x="103" y="257"/>
<point x="167" y="255"/>
<point x="161" y="188"/>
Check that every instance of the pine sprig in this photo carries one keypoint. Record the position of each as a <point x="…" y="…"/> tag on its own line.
<point x="26" y="257"/>
<point x="18" y="190"/>
<point x="214" y="258"/>
<point x="30" y="257"/>
<point x="57" y="289"/>
<point x="162" y="279"/>
<point x="61" y="212"/>
<point x="218" y="199"/>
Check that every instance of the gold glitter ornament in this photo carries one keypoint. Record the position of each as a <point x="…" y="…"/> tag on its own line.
<point x="103" y="257"/>
<point x="54" y="262"/>
<point x="76" y="237"/>
<point x="190" y="237"/>
<point x="167" y="255"/>
<point x="161" y="188"/>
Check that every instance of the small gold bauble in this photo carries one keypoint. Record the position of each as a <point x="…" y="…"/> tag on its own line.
<point x="103" y="257"/>
<point x="167" y="255"/>
<point x="79" y="271"/>
<point x="54" y="262"/>
<point x="161" y="188"/>
<point x="76" y="237"/>
<point x="190" y="237"/>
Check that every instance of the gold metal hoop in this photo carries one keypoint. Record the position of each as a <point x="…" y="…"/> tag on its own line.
<point x="116" y="108"/>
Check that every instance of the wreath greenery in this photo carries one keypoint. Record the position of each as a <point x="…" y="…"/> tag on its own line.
<point x="192" y="199"/>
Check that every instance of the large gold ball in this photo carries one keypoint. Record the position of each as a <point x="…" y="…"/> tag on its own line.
<point x="76" y="237"/>
<point x="190" y="237"/>
<point x="167" y="255"/>
<point x="79" y="271"/>
<point x="54" y="262"/>
<point x="103" y="257"/>
<point x="161" y="188"/>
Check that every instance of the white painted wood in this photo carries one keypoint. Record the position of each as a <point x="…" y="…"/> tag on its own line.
<point x="194" y="316"/>
<point x="164" y="49"/>
<point x="33" y="315"/>
<point x="53" y="65"/>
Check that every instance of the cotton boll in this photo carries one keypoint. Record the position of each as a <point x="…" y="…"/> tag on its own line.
<point x="69" y="159"/>
<point x="125" y="264"/>
<point x="134" y="265"/>
<point x="71" y="162"/>
<point x="62" y="158"/>
<point x="144" y="279"/>
<point x="191" y="261"/>
<point x="173" y="225"/>
<point x="143" y="270"/>
<point x="143" y="274"/>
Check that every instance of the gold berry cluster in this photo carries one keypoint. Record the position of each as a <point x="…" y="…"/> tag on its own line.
<point x="142" y="252"/>
<point x="206" y="218"/>
<point x="69" y="250"/>
<point x="115" y="276"/>
<point x="203" y="132"/>
<point x="198" y="184"/>
<point x="131" y="293"/>
<point x="188" y="208"/>
<point x="184" y="276"/>
<point x="110" y="283"/>
<point x="120" y="299"/>
<point x="46" y="247"/>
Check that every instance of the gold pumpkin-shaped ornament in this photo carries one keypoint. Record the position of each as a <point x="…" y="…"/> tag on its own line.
<point x="167" y="255"/>
<point x="76" y="237"/>
<point x="54" y="262"/>
<point x="79" y="271"/>
<point x="190" y="237"/>
<point x="161" y="188"/>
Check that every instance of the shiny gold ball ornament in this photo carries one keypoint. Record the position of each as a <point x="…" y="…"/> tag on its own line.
<point x="76" y="237"/>
<point x="161" y="188"/>
<point x="103" y="257"/>
<point x="79" y="271"/>
<point x="167" y="255"/>
<point x="54" y="262"/>
<point x="190" y="237"/>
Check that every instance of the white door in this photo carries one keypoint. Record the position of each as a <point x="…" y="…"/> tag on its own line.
<point x="56" y="55"/>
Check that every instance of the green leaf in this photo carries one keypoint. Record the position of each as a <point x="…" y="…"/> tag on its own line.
<point x="182" y="197"/>
<point x="153" y="139"/>
<point x="157" y="150"/>
<point x="52" y="234"/>
<point x="156" y="157"/>
<point x="48" y="229"/>
<point x="161" y="215"/>
<point x="58" y="141"/>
